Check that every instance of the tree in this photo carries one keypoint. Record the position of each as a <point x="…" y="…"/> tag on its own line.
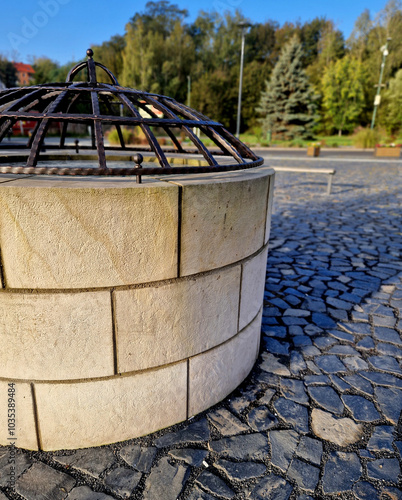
<point x="8" y="73"/>
<point x="46" y="70"/>
<point x="392" y="117"/>
<point x="343" y="93"/>
<point x="288" y="103"/>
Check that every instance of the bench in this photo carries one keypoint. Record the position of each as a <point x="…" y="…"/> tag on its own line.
<point x="328" y="171"/>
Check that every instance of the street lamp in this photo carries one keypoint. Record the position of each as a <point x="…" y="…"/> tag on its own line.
<point x="244" y="26"/>
<point x="377" y="99"/>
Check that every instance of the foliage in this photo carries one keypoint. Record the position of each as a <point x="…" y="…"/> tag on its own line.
<point x="8" y="74"/>
<point x="393" y="104"/>
<point x="366" y="138"/>
<point x="287" y="104"/>
<point x="161" y="52"/>
<point x="343" y="93"/>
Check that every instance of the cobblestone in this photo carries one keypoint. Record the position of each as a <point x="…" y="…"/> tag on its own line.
<point x="319" y="417"/>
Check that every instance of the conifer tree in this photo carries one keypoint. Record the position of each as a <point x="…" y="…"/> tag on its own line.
<point x="288" y="103"/>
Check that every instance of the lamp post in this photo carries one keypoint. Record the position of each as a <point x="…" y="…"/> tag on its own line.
<point x="244" y="26"/>
<point x="377" y="98"/>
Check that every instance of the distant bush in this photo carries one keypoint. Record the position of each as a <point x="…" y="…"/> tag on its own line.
<point x="366" y="138"/>
<point x="130" y="136"/>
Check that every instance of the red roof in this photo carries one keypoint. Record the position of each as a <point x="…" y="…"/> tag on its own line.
<point x="23" y="68"/>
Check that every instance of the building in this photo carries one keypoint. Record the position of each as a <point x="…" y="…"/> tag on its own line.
<point x="24" y="73"/>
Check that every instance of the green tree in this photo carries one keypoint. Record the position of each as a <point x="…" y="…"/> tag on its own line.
<point x="392" y="108"/>
<point x="288" y="103"/>
<point x="343" y="94"/>
<point x="110" y="54"/>
<point x="8" y="74"/>
<point x="46" y="71"/>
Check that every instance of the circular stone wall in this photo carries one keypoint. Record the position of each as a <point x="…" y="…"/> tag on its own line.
<point x="126" y="308"/>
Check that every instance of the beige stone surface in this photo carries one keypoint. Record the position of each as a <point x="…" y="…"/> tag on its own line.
<point x="223" y="218"/>
<point x="216" y="373"/>
<point x="79" y="233"/>
<point x="341" y="431"/>
<point x="56" y="336"/>
<point x="252" y="287"/>
<point x="160" y="325"/>
<point x="25" y="430"/>
<point x="80" y="415"/>
<point x="270" y="205"/>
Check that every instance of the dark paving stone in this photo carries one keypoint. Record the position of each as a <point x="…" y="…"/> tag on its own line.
<point x="244" y="447"/>
<point x="138" y="457"/>
<point x="340" y="384"/>
<point x="365" y="343"/>
<point x="297" y="363"/>
<point x="261" y="419"/>
<point x="193" y="433"/>
<point x="304" y="474"/>
<point x="316" y="380"/>
<point x="294" y="390"/>
<point x="283" y="446"/>
<point x="327" y="398"/>
<point x="241" y="471"/>
<point x="310" y="449"/>
<point x="390" y="402"/>
<point x="361" y="409"/>
<point x="389" y="350"/>
<point x="85" y="493"/>
<point x="384" y="469"/>
<point x="398" y="445"/>
<point x="385" y="379"/>
<point x="355" y="363"/>
<point x="165" y="474"/>
<point x="293" y="414"/>
<point x="341" y="335"/>
<point x="91" y="461"/>
<point x="22" y="463"/>
<point x="189" y="455"/>
<point x="271" y="487"/>
<point x="41" y="482"/>
<point x="385" y="363"/>
<point x="198" y="494"/>
<point x="214" y="485"/>
<point x="323" y="321"/>
<point x="302" y="340"/>
<point x="324" y="342"/>
<point x="365" y="491"/>
<point x="341" y="471"/>
<point x="359" y="383"/>
<point x="343" y="350"/>
<point x="330" y="364"/>
<point x="123" y="481"/>
<point x="276" y="347"/>
<point x="357" y="328"/>
<point x="381" y="439"/>
<point x="226" y="423"/>
<point x="274" y="331"/>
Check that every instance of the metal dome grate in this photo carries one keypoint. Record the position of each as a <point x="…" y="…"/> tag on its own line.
<point x="103" y="107"/>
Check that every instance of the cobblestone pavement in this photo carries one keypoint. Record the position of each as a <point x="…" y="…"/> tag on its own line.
<point x="320" y="415"/>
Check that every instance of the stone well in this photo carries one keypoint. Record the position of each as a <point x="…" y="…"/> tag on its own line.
<point x="124" y="307"/>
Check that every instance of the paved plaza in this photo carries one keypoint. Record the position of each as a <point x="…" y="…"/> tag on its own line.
<point x="320" y="416"/>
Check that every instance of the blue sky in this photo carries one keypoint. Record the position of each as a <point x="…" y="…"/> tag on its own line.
<point x="64" y="29"/>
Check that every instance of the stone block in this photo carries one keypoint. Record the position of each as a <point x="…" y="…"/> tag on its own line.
<point x="252" y="287"/>
<point x="160" y="325"/>
<point x="94" y="413"/>
<point x="25" y="430"/>
<point x="223" y="218"/>
<point x="95" y="233"/>
<point x="216" y="373"/>
<point x="56" y="336"/>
